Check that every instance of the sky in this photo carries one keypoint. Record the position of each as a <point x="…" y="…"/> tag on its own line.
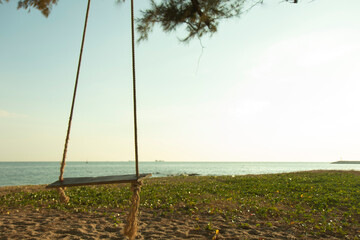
<point x="280" y="83"/>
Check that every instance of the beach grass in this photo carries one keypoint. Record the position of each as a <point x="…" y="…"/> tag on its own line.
<point x="316" y="204"/>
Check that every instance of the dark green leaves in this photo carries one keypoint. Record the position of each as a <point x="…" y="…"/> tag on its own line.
<point x="44" y="6"/>
<point x="198" y="17"/>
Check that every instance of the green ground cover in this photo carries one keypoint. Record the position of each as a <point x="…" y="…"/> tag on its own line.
<point x="318" y="203"/>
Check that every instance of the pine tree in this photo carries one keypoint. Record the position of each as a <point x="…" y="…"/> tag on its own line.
<point x="44" y="6"/>
<point x="197" y="17"/>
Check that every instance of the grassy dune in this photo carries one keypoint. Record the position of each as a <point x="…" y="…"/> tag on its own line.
<point x="316" y="204"/>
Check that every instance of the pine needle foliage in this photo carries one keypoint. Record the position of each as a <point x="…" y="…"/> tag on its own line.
<point x="44" y="6"/>
<point x="197" y="17"/>
<point x="200" y="17"/>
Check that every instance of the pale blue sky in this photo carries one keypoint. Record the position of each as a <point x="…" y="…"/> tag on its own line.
<point x="279" y="84"/>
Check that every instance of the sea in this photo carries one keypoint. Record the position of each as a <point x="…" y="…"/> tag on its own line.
<point x="34" y="173"/>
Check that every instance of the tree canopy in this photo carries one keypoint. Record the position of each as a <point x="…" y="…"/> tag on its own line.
<point x="44" y="6"/>
<point x="198" y="17"/>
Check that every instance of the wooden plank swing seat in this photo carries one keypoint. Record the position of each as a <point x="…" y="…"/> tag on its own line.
<point x="83" y="181"/>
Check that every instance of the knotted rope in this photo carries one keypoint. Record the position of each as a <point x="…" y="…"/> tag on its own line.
<point x="131" y="226"/>
<point x="63" y="197"/>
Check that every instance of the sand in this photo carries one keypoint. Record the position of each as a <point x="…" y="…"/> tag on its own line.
<point x="52" y="224"/>
<point x="32" y="223"/>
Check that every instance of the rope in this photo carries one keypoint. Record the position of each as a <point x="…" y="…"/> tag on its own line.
<point x="63" y="198"/>
<point x="130" y="229"/>
<point x="62" y="168"/>
<point x="134" y="89"/>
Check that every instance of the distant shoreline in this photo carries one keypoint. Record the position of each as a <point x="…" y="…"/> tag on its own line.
<point x="346" y="162"/>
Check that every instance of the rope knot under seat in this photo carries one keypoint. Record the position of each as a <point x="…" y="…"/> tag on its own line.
<point x="63" y="198"/>
<point x="130" y="229"/>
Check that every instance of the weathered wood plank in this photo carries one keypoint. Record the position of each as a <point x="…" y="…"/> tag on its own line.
<point x="82" y="181"/>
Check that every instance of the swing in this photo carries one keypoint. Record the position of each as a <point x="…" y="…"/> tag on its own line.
<point x="135" y="179"/>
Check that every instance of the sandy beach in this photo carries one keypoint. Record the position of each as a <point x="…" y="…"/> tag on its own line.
<point x="39" y="221"/>
<point x="51" y="224"/>
<point x="31" y="223"/>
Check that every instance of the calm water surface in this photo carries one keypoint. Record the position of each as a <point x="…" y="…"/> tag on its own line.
<point x="29" y="173"/>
